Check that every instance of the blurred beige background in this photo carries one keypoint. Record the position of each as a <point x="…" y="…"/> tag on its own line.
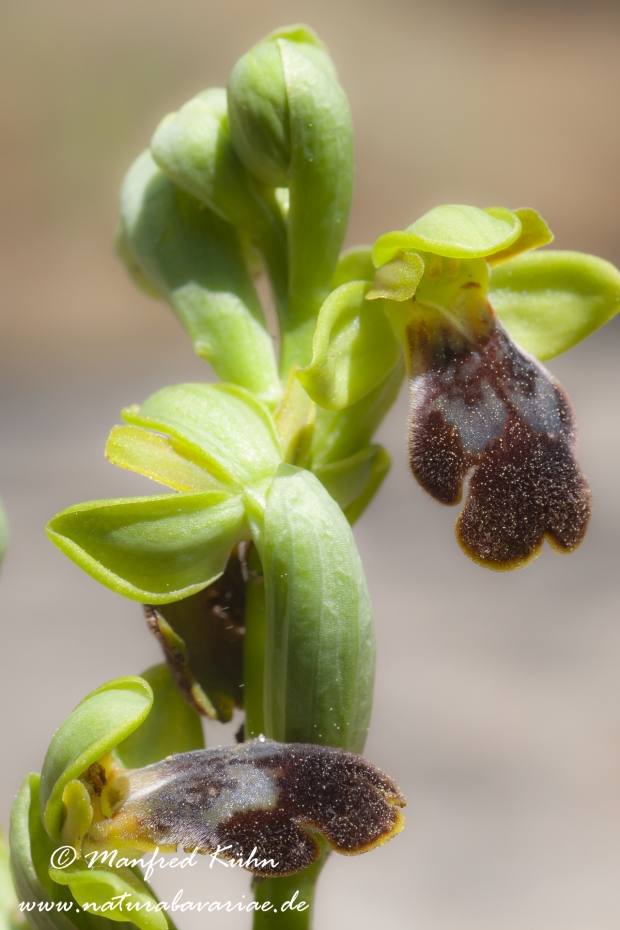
<point x="498" y="696"/>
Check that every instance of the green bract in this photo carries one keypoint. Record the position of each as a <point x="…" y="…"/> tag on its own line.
<point x="195" y="261"/>
<point x="319" y="653"/>
<point x="550" y="301"/>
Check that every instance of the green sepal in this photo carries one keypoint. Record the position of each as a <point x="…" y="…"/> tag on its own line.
<point x="171" y="726"/>
<point x="100" y="885"/>
<point x="232" y="434"/>
<point x="549" y="301"/>
<point x="354" y="348"/>
<point x="454" y="231"/>
<point x="194" y="259"/>
<point x="151" y="549"/>
<point x="319" y="654"/>
<point x="534" y="234"/>
<point x="99" y="723"/>
<point x="398" y="279"/>
<point x="291" y="127"/>
<point x="354" y="481"/>
<point x="31" y="850"/>
<point x="167" y="461"/>
<point x="339" y="434"/>
<point x="354" y="264"/>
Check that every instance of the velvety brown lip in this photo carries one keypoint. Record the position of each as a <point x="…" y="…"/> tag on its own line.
<point x="486" y="410"/>
<point x="259" y="799"/>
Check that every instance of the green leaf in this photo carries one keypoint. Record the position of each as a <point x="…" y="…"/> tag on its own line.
<point x="354" y="481"/>
<point x="354" y="264"/>
<point x="151" y="549"/>
<point x="319" y="657"/>
<point x="99" y="890"/>
<point x="99" y="723"/>
<point x="339" y="434"/>
<point x="167" y="461"/>
<point x="354" y="348"/>
<point x="195" y="261"/>
<point x="453" y="230"/>
<point x="230" y="431"/>
<point x="171" y="726"/>
<point x="534" y="234"/>
<point x="398" y="279"/>
<point x="549" y="301"/>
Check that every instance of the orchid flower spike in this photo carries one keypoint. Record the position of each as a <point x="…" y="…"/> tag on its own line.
<point x="474" y="315"/>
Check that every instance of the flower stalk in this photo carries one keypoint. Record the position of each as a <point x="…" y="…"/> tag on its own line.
<point x="247" y="566"/>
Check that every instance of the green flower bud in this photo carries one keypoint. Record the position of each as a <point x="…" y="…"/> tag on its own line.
<point x="290" y="126"/>
<point x="184" y="252"/>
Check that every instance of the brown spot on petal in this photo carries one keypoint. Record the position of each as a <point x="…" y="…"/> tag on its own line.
<point x="491" y="411"/>
<point x="258" y="800"/>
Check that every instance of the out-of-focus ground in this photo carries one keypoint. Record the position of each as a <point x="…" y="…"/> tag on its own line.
<point x="498" y="696"/>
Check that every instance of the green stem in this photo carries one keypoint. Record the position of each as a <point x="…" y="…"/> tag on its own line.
<point x="278" y="892"/>
<point x="254" y="649"/>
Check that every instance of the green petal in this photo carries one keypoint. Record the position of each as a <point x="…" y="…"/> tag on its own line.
<point x="319" y="657"/>
<point x="549" y="301"/>
<point x="354" y="264"/>
<point x="353" y="482"/>
<point x="354" y="348"/>
<point x="164" y="460"/>
<point x="151" y="549"/>
<point x="98" y="724"/>
<point x="398" y="279"/>
<point x="534" y="234"/>
<point x="95" y="889"/>
<point x="172" y="725"/>
<point x="232" y="432"/>
<point x="194" y="259"/>
<point x="454" y="231"/>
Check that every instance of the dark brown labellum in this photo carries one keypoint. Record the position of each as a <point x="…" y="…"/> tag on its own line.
<point x="486" y="410"/>
<point x="256" y="804"/>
